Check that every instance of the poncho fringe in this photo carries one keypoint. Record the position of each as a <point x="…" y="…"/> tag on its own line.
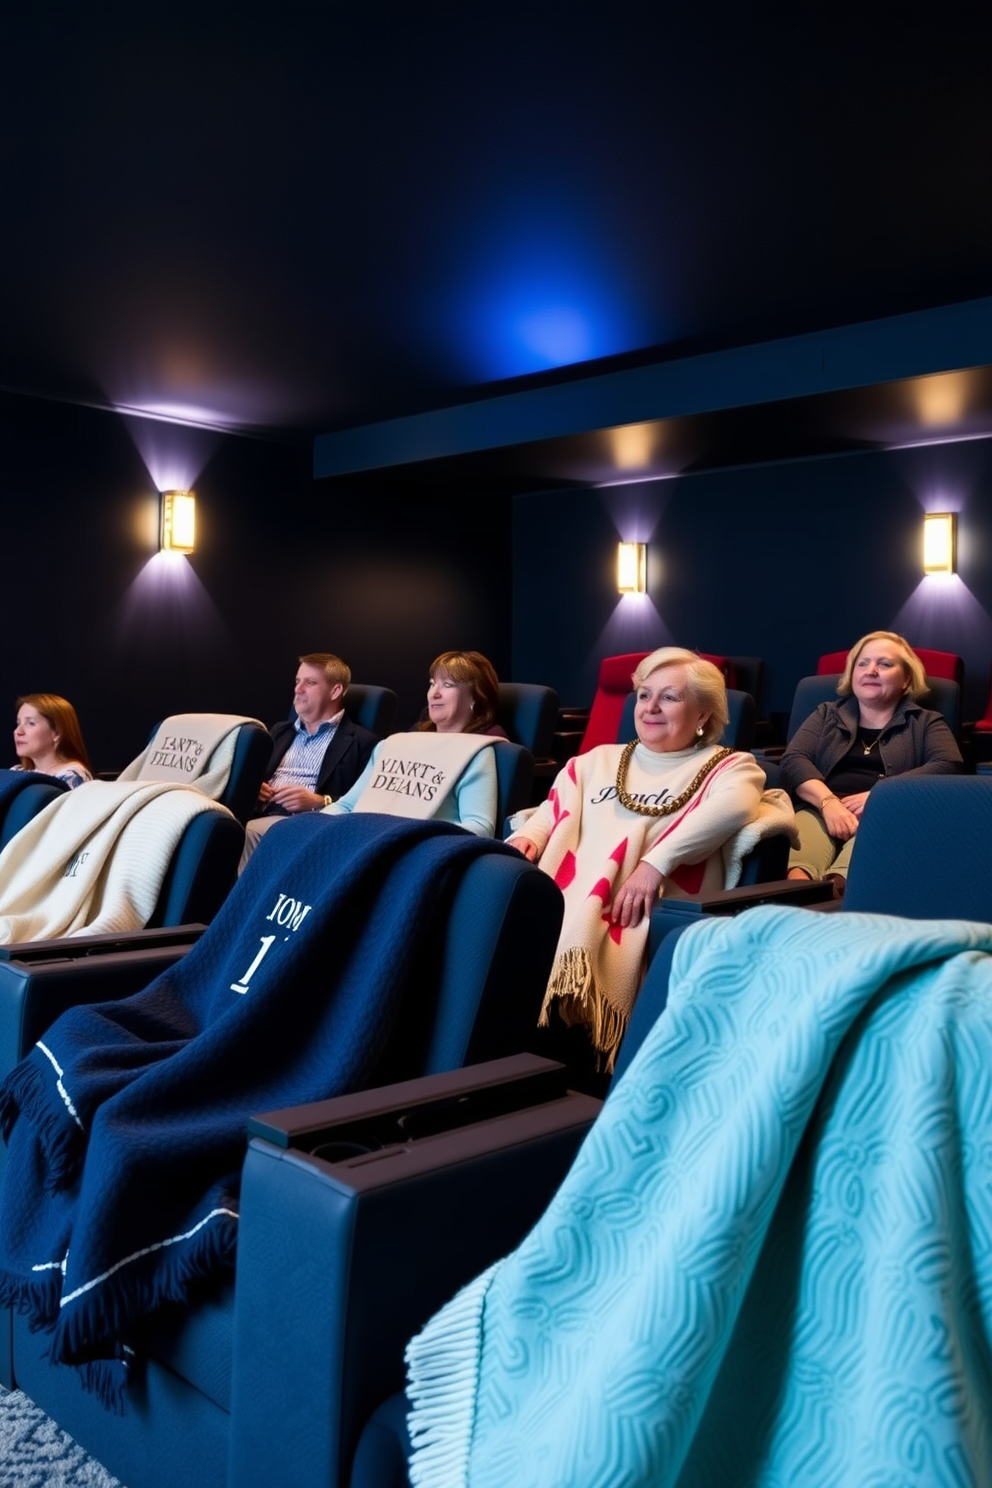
<point x="580" y="1003"/>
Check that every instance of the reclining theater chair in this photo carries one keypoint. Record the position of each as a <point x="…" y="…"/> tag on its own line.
<point x="358" y="1438"/>
<point x="23" y="794"/>
<point x="477" y="995"/>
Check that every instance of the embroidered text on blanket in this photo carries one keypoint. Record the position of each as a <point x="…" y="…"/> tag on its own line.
<point x="287" y="911"/>
<point x="408" y="777"/>
<point x="178" y="753"/>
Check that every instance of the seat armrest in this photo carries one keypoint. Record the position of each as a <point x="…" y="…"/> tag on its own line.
<point x="41" y="979"/>
<point x="669" y="914"/>
<point x="340" y="1263"/>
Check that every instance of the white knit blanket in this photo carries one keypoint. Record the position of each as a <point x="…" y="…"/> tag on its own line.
<point x="415" y="772"/>
<point x="191" y="748"/>
<point x="93" y="861"/>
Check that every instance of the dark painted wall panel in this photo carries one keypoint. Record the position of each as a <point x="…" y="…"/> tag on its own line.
<point x="283" y="565"/>
<point x="781" y="561"/>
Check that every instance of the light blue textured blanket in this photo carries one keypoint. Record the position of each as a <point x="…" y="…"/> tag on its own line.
<point x="771" y="1262"/>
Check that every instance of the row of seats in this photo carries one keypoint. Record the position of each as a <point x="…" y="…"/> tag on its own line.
<point x="924" y="855"/>
<point x="204" y="866"/>
<point x="290" y="1375"/>
<point x="746" y="674"/>
<point x="275" y="1379"/>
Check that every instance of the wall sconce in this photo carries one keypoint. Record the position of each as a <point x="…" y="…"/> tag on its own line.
<point x="939" y="542"/>
<point x="178" y="530"/>
<point x="631" y="567"/>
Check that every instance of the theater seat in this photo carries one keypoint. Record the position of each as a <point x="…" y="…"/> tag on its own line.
<point x="23" y="793"/>
<point x="945" y="819"/>
<point x="202" y="871"/>
<point x="922" y="852"/>
<point x="614" y="687"/>
<point x="984" y="724"/>
<point x="194" y="1413"/>
<point x="944" y="664"/>
<point x="943" y="697"/>
<point x="514" y="779"/>
<point x="981" y="740"/>
<point x="528" y="713"/>
<point x="203" y="864"/>
<point x="738" y="734"/>
<point x="374" y="708"/>
<point x="252" y="749"/>
<point x="373" y="1447"/>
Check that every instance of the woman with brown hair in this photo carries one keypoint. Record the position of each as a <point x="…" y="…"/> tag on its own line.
<point x="452" y="779"/>
<point x="462" y="695"/>
<point x="48" y="739"/>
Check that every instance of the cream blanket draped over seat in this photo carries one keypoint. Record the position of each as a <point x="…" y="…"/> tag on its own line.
<point x="415" y="772"/>
<point x="191" y="749"/>
<point x="94" y="860"/>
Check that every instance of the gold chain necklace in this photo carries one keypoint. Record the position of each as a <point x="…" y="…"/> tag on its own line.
<point x="679" y="801"/>
<point x="867" y="748"/>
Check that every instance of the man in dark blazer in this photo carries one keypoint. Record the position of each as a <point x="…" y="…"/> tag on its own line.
<point x="317" y="758"/>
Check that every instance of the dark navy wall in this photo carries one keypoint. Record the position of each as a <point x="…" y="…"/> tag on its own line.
<point x="283" y="564"/>
<point x="781" y="561"/>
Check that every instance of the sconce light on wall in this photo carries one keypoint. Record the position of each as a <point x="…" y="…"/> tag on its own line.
<point x="631" y="567"/>
<point x="178" y="530"/>
<point x="939" y="542"/>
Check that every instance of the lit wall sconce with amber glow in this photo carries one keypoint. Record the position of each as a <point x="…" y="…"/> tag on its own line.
<point x="178" y="530"/>
<point x="631" y="567"/>
<point x="939" y="543"/>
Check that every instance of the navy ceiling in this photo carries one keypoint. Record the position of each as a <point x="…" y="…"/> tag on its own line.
<point x="298" y="218"/>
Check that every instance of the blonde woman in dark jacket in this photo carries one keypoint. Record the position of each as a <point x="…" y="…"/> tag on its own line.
<point x="876" y="729"/>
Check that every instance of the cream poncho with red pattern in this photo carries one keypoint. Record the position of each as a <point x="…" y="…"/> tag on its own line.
<point x="590" y="844"/>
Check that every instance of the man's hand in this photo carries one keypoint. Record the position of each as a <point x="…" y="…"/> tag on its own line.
<point x="296" y="798"/>
<point x="635" y="897"/>
<point x="264" y="793"/>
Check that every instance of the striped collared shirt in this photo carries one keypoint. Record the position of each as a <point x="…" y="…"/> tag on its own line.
<point x="301" y="763"/>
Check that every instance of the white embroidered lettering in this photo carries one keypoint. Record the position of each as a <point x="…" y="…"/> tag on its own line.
<point x="289" y="912"/>
<point x="267" y="940"/>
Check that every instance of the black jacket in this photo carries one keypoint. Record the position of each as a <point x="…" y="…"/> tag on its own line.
<point x="344" y="758"/>
<point x="915" y="741"/>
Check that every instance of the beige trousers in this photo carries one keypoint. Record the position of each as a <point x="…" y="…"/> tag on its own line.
<point x="254" y="831"/>
<point x="818" y="853"/>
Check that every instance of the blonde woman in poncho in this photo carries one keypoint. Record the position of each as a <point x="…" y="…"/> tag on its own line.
<point x="625" y="824"/>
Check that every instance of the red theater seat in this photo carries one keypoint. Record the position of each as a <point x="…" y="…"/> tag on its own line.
<point x="935" y="664"/>
<point x="613" y="689"/>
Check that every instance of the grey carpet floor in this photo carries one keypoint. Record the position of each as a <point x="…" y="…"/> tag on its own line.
<point x="35" y="1453"/>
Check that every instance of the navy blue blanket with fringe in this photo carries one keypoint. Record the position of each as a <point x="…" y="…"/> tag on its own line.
<point x="126" y="1122"/>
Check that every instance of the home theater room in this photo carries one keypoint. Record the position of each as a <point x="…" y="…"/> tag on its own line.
<point x="590" y="407"/>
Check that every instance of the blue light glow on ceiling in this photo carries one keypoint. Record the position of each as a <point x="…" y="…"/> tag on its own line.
<point x="529" y="305"/>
